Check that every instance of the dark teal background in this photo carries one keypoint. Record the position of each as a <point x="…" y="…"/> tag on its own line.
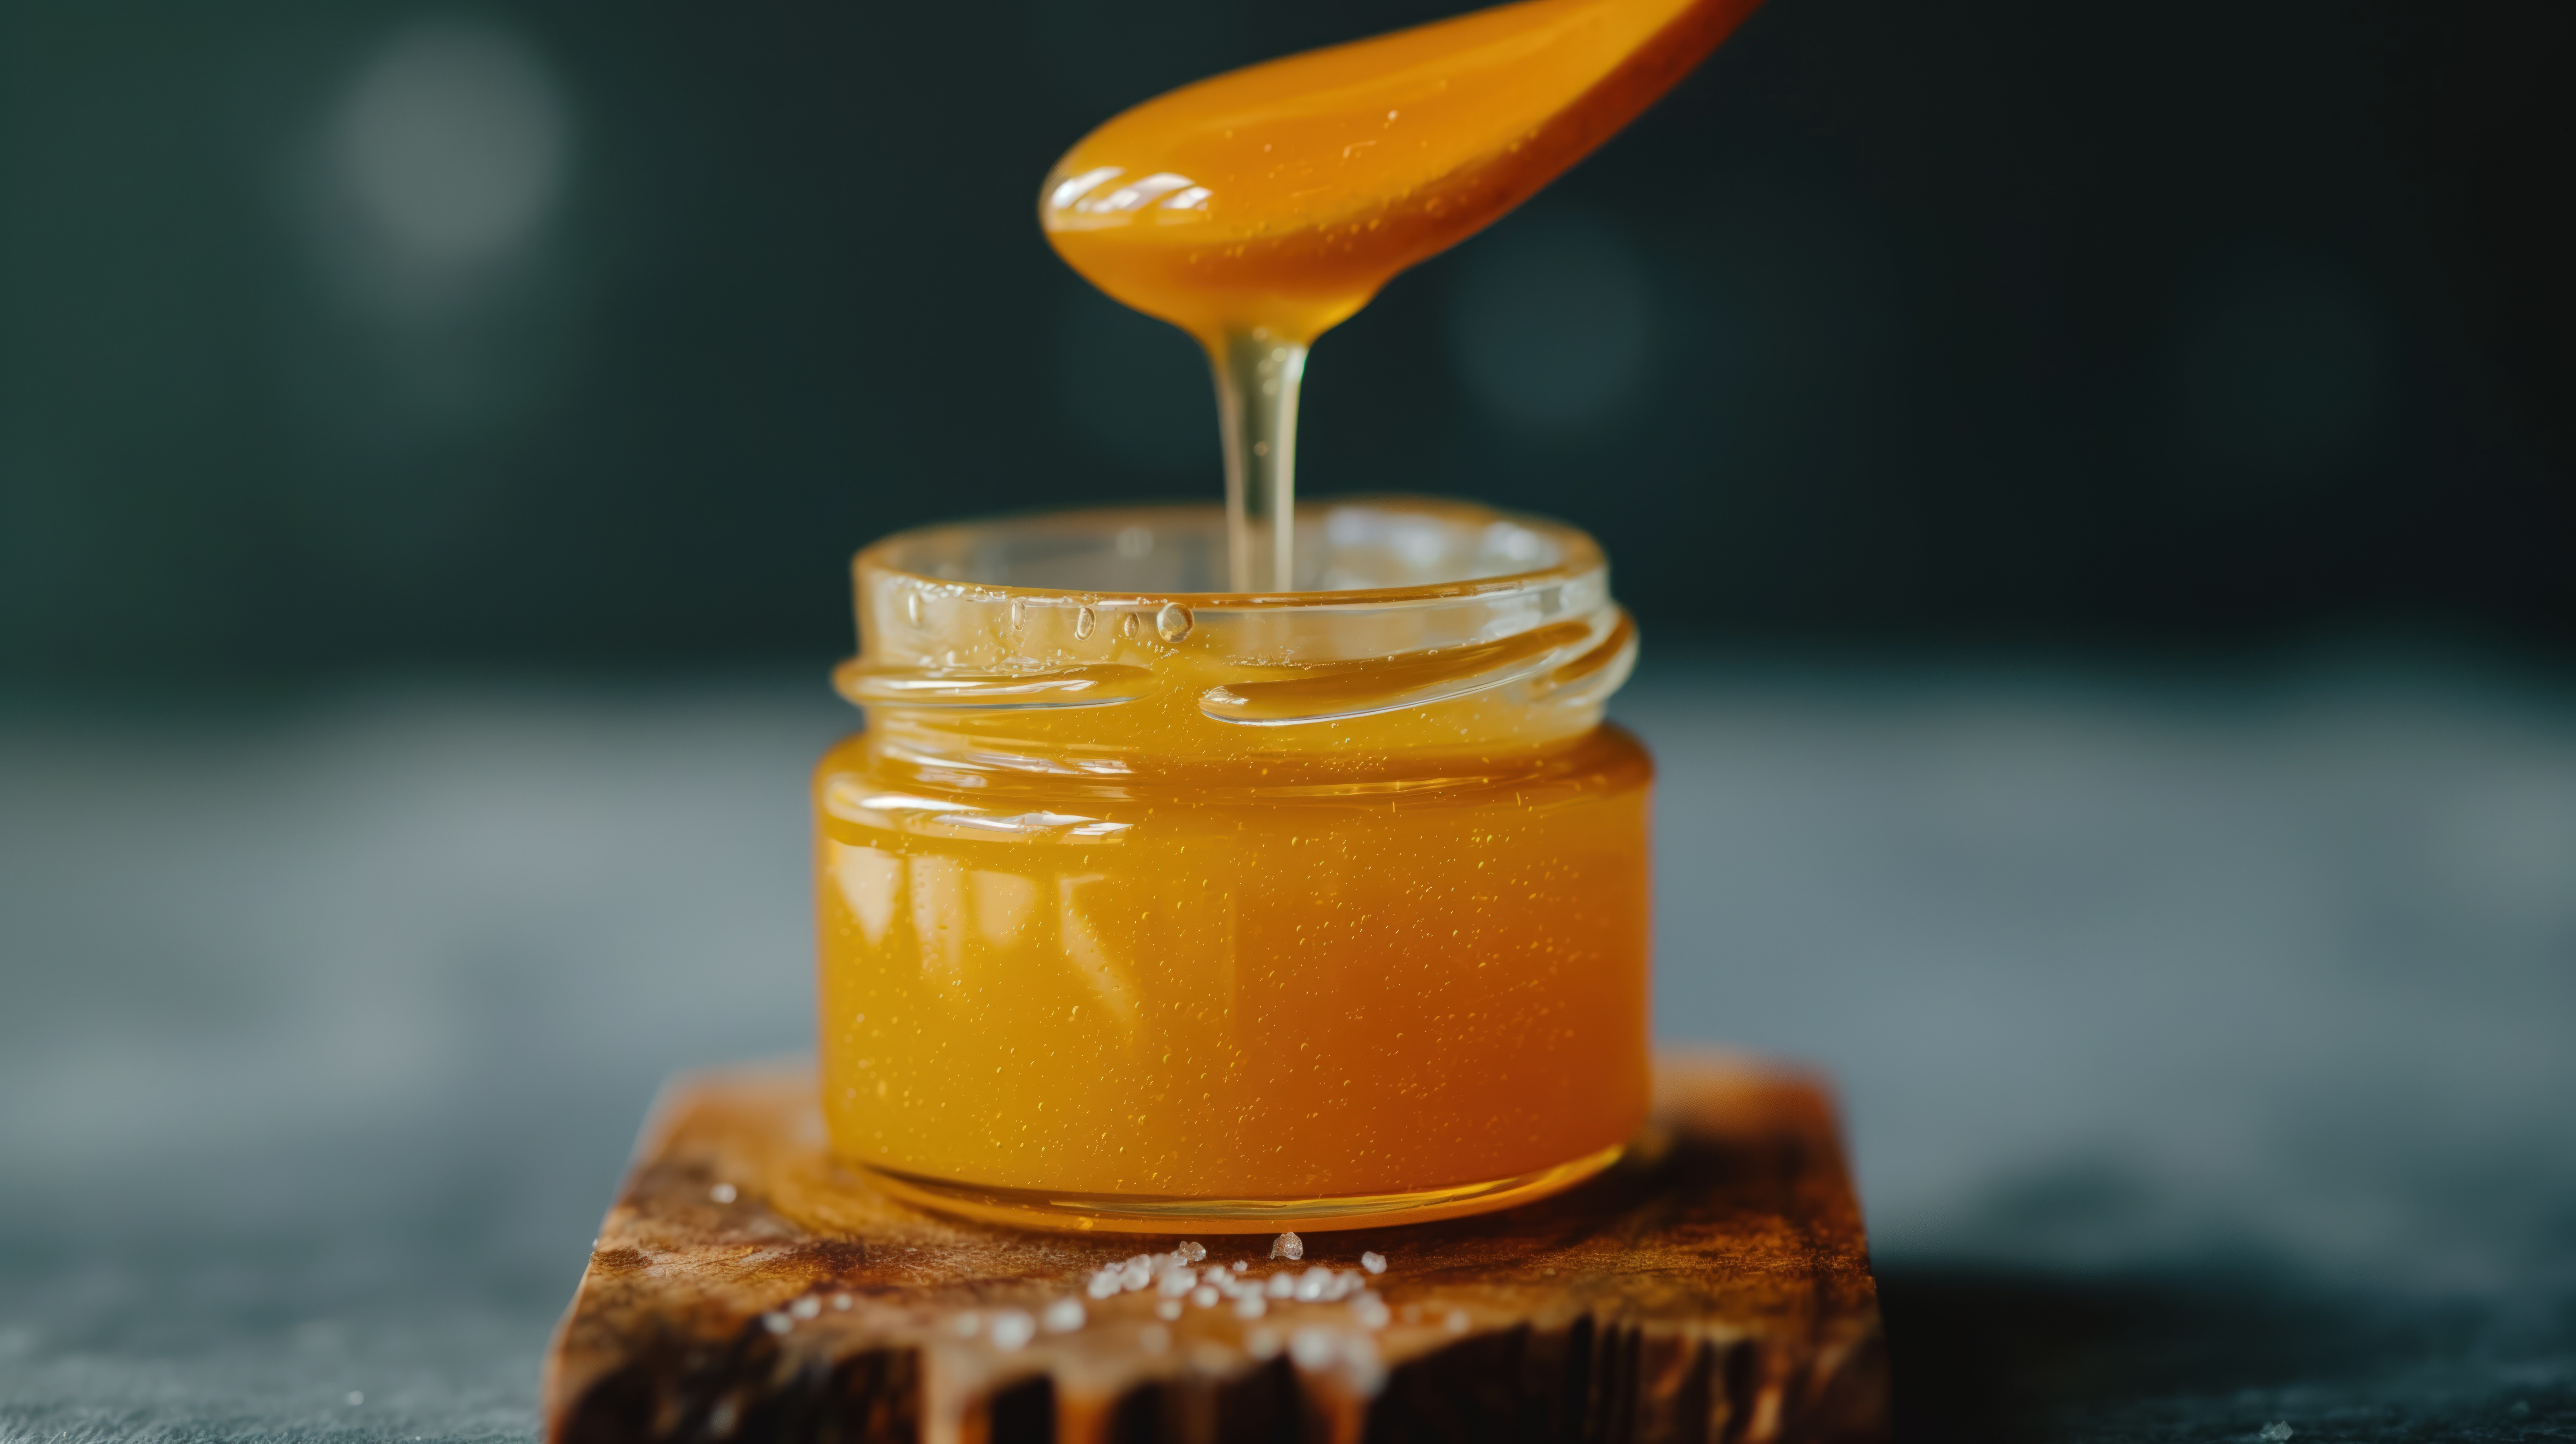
<point x="2204" y="326"/>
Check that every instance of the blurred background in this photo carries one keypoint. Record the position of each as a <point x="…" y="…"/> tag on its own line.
<point x="2099" y="486"/>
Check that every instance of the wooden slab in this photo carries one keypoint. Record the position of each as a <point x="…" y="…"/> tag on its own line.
<point x="1714" y="1286"/>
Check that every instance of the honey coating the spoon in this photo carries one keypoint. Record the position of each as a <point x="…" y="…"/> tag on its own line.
<point x="1277" y="199"/>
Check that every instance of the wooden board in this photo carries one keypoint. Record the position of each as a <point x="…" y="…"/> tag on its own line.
<point x="1713" y="1286"/>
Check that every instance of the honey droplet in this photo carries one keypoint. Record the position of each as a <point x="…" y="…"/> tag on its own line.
<point x="1173" y="622"/>
<point x="1083" y="621"/>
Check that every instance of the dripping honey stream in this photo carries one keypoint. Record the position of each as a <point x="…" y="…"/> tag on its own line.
<point x="1260" y="208"/>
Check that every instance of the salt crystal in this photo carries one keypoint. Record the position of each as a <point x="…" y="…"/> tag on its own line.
<point x="1063" y="1316"/>
<point x="1192" y="1252"/>
<point x="777" y="1323"/>
<point x="1251" y="1306"/>
<point x="1134" y="1276"/>
<point x="1374" y="1262"/>
<point x="966" y="1325"/>
<point x="1371" y="1311"/>
<point x="1283" y="1286"/>
<point x="1457" y="1321"/>
<point x="1154" y="1338"/>
<point x="723" y="1193"/>
<point x="1103" y="1284"/>
<point x="1314" y="1284"/>
<point x="1012" y="1329"/>
<point x="357" y="1397"/>
<point x="806" y="1308"/>
<point x="1205" y="1296"/>
<point x="1261" y="1344"/>
<point x="2277" y="1431"/>
<point x="1140" y="1261"/>
<point x="1288" y="1246"/>
<point x="1312" y="1348"/>
<point x="1168" y="1309"/>
<point x="1240" y="1266"/>
<point x="1176" y="1282"/>
<point x="841" y="1302"/>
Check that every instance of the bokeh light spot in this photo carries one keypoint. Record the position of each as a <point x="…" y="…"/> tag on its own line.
<point x="454" y="141"/>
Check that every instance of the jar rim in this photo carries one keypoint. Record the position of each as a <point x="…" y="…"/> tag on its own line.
<point x="1563" y="553"/>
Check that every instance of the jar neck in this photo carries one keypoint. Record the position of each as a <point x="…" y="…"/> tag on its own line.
<point x="1417" y="647"/>
<point x="1185" y="719"/>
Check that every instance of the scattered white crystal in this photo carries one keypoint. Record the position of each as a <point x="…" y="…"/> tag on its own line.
<point x="841" y="1302"/>
<point x="1135" y="1275"/>
<point x="1314" y="1284"/>
<point x="1168" y="1309"/>
<point x="1251" y="1306"/>
<point x="1012" y="1329"/>
<point x="1313" y="1348"/>
<point x="1282" y="1286"/>
<point x="1288" y="1246"/>
<point x="1371" y="1311"/>
<point x="2276" y="1431"/>
<point x="1154" y="1338"/>
<point x="1063" y="1316"/>
<point x="1176" y="1282"/>
<point x="1192" y="1252"/>
<point x="966" y="1325"/>
<point x="1205" y="1296"/>
<point x="776" y="1323"/>
<point x="723" y="1193"/>
<point x="357" y="1397"/>
<point x="1374" y="1262"/>
<point x="1103" y="1284"/>
<point x="1458" y="1321"/>
<point x="806" y="1308"/>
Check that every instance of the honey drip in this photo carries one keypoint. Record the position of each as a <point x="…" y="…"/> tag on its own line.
<point x="1258" y="209"/>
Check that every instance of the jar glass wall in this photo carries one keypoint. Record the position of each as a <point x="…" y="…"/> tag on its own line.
<point x="1144" y="905"/>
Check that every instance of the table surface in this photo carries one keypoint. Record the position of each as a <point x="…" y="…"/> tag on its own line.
<point x="2208" y="1044"/>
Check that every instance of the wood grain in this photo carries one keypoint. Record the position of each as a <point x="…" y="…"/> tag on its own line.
<point x="1714" y="1286"/>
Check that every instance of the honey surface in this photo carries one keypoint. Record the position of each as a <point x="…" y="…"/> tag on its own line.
<point x="1283" y="968"/>
<point x="1277" y="199"/>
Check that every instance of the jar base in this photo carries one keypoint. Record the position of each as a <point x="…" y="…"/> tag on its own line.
<point x="1164" y="1213"/>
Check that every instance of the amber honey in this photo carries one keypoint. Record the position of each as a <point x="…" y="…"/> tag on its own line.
<point x="1273" y="866"/>
<point x="1143" y="905"/>
<point x="1279" y="198"/>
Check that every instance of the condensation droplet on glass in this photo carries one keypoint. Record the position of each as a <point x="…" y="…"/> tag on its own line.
<point x="1173" y="622"/>
<point x="1083" y="621"/>
<point x="1127" y="626"/>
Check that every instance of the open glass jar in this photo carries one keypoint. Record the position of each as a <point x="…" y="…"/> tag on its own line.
<point x="1144" y="905"/>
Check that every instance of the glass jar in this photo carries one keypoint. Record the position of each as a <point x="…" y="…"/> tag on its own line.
<point x="1146" y="906"/>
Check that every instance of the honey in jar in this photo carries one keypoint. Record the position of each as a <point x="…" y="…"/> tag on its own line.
<point x="1145" y="904"/>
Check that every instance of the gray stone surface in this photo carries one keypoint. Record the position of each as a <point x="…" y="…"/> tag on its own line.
<point x="2209" y="1045"/>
